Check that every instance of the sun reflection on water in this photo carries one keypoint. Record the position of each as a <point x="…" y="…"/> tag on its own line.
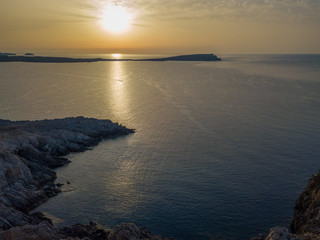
<point x="121" y="185"/>
<point x="117" y="84"/>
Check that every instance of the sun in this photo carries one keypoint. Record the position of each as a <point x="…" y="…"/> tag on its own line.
<point x="116" y="19"/>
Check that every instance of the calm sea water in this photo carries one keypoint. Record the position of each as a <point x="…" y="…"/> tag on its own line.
<point x="221" y="149"/>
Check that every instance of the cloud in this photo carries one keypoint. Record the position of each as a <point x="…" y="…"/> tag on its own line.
<point x="168" y="12"/>
<point x="261" y="10"/>
<point x="173" y="11"/>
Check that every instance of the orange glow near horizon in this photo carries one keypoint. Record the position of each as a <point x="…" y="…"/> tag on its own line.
<point x="144" y="26"/>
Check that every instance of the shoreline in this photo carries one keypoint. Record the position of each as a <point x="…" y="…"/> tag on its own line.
<point x="29" y="153"/>
<point x="44" y="59"/>
<point x="31" y="150"/>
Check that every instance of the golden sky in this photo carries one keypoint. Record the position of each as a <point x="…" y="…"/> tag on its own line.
<point x="177" y="26"/>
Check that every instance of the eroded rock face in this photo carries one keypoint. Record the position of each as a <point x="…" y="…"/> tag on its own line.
<point x="92" y="231"/>
<point x="42" y="231"/>
<point x="281" y="233"/>
<point x="29" y="151"/>
<point x="306" y="221"/>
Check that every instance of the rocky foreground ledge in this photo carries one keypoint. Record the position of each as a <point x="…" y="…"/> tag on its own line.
<point x="29" y="151"/>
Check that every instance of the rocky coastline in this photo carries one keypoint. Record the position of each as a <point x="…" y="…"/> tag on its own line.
<point x="31" y="150"/>
<point x="29" y="153"/>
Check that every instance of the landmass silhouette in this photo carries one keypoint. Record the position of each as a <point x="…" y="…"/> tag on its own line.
<point x="43" y="59"/>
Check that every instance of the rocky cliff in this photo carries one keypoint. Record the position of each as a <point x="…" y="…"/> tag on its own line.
<point x="29" y="152"/>
<point x="306" y="221"/>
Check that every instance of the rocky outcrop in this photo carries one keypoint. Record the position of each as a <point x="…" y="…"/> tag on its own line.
<point x="29" y="152"/>
<point x="306" y="221"/>
<point x="45" y="231"/>
<point x="281" y="233"/>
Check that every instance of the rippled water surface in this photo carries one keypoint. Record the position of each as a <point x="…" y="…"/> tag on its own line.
<point x="221" y="149"/>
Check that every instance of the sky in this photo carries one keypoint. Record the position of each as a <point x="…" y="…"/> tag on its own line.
<point x="160" y="26"/>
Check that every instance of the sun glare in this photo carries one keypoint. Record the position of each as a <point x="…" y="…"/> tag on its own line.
<point x="116" y="55"/>
<point x="116" y="19"/>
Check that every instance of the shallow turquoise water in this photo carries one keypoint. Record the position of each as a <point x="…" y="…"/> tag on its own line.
<point x="221" y="149"/>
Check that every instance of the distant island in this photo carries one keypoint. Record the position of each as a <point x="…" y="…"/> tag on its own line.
<point x="191" y="57"/>
<point x="40" y="59"/>
<point x="7" y="54"/>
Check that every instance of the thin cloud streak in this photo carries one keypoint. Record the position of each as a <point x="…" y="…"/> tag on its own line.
<point x="261" y="10"/>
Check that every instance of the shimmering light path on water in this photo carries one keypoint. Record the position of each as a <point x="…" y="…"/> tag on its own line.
<point x="221" y="149"/>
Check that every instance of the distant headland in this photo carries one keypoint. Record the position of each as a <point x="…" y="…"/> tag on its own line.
<point x="42" y="59"/>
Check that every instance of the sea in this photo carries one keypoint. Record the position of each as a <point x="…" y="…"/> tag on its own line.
<point x="221" y="150"/>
